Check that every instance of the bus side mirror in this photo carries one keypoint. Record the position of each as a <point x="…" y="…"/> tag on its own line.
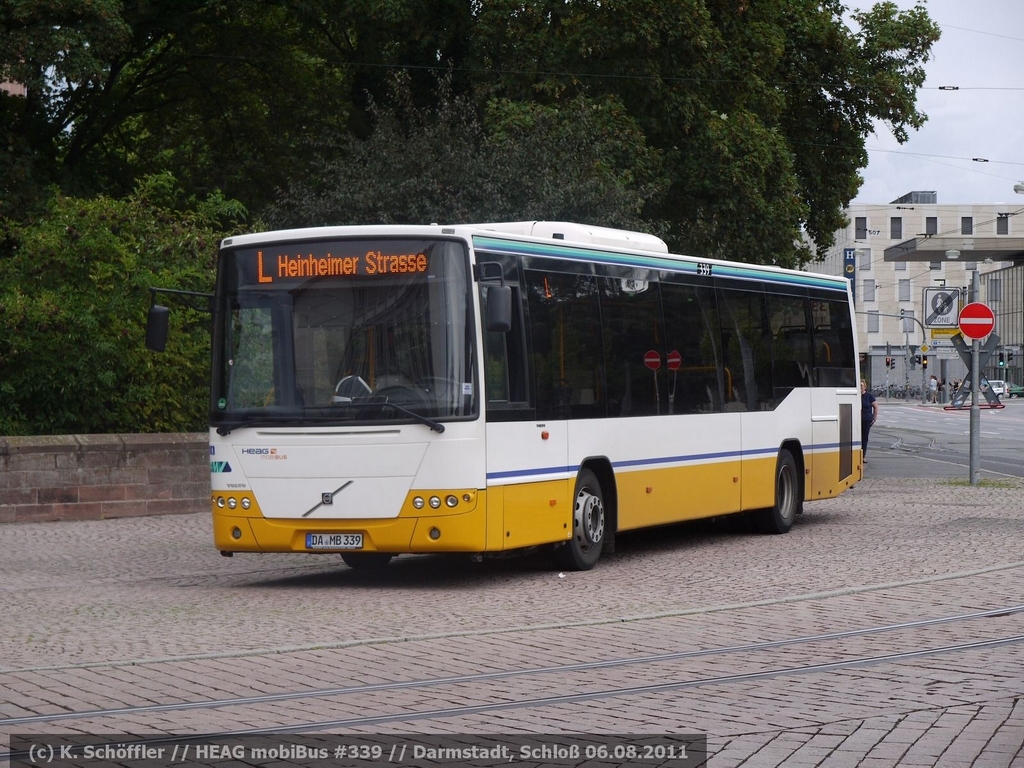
<point x="156" y="327"/>
<point x="499" y="308"/>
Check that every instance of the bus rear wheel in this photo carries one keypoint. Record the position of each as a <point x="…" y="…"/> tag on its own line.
<point x="367" y="561"/>
<point x="779" y="518"/>
<point x="582" y="551"/>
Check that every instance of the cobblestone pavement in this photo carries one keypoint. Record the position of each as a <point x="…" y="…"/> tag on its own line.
<point x="142" y="611"/>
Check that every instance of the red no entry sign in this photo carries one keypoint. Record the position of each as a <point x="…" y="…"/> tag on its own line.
<point x="652" y="360"/>
<point x="674" y="360"/>
<point x="976" y="320"/>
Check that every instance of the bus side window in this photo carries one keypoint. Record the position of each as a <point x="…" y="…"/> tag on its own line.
<point x="565" y="363"/>
<point x="632" y="329"/>
<point x="834" y="364"/>
<point x="747" y="348"/>
<point x="691" y="329"/>
<point x="790" y="344"/>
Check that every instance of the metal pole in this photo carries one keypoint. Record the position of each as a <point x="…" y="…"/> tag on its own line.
<point x="906" y="361"/>
<point x="975" y="392"/>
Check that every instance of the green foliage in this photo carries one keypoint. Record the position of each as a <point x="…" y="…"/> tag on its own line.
<point x="743" y="124"/>
<point x="760" y="109"/>
<point x="731" y="128"/>
<point x="61" y="52"/>
<point x="740" y="125"/>
<point x="584" y="160"/>
<point x="73" y="302"/>
<point x="216" y="93"/>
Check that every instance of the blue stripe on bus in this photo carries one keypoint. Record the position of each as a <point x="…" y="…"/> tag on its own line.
<point x="633" y="463"/>
<point x="530" y="472"/>
<point x="654" y="262"/>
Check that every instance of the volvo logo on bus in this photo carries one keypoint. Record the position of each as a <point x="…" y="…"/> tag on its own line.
<point x="327" y="498"/>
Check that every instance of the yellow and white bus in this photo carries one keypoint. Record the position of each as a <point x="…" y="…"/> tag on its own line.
<point x="495" y="387"/>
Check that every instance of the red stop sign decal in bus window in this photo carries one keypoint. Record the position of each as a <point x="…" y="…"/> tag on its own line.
<point x="652" y="360"/>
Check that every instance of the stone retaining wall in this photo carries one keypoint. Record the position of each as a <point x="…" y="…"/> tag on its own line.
<point x="97" y="477"/>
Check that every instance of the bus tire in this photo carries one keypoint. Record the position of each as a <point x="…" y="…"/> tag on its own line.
<point x="583" y="549"/>
<point x="779" y="518"/>
<point x="367" y="561"/>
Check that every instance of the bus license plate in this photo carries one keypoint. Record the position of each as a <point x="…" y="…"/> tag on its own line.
<point x="334" y="541"/>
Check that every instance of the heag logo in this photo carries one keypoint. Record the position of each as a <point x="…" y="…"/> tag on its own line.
<point x="264" y="453"/>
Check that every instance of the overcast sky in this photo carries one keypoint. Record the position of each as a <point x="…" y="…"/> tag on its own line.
<point x="981" y="51"/>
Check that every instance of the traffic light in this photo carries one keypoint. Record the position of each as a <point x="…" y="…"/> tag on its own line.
<point x="917" y="361"/>
<point x="1002" y="360"/>
<point x="890" y="363"/>
<point x="924" y="361"/>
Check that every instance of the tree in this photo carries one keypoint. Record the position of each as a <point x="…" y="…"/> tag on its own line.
<point x="760" y="108"/>
<point x="583" y="159"/>
<point x="73" y="299"/>
<point x="757" y="112"/>
<point x="217" y="93"/>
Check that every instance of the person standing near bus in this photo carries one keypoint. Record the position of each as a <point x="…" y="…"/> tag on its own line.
<point x="868" y="416"/>
<point x="933" y="389"/>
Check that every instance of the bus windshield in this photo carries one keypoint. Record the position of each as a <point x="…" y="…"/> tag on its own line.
<point x="343" y="331"/>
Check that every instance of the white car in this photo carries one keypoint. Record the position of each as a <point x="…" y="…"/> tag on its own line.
<point x="998" y="386"/>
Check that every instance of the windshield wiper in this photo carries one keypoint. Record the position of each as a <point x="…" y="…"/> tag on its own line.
<point x="376" y="402"/>
<point x="434" y="425"/>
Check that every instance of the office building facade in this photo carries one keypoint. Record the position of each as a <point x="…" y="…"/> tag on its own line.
<point x="912" y="264"/>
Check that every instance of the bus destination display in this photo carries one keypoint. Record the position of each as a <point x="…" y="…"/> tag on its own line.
<point x="273" y="266"/>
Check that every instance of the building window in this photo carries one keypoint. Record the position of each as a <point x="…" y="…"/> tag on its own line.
<point x="869" y="289"/>
<point x="900" y="266"/>
<point x="1003" y="224"/>
<point x="863" y="257"/>
<point x="966" y="225"/>
<point x="935" y="265"/>
<point x="860" y="228"/>
<point x="904" y="290"/>
<point x="873" y="326"/>
<point x="931" y="225"/>
<point x="896" y="227"/>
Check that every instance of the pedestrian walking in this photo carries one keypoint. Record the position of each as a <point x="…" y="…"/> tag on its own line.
<point x="868" y="416"/>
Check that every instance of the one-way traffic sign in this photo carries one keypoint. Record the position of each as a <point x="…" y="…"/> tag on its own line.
<point x="976" y="320"/>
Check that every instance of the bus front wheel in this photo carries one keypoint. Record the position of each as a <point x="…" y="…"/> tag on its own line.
<point x="581" y="552"/>
<point x="779" y="518"/>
